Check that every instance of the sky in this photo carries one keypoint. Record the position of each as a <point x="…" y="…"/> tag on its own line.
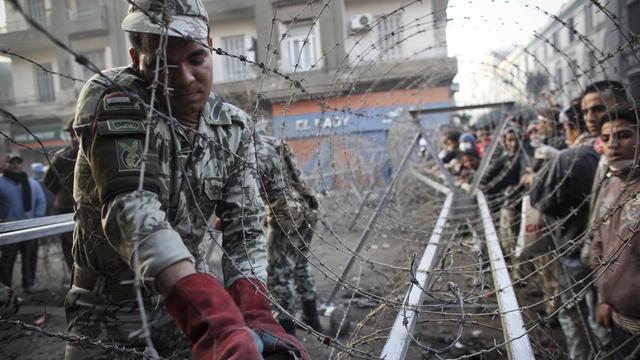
<point x="477" y="26"/>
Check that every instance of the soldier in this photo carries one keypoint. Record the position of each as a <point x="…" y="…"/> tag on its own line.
<point x="59" y="180"/>
<point x="197" y="162"/>
<point x="291" y="216"/>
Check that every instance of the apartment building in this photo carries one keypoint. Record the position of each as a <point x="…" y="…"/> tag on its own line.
<point x="361" y="63"/>
<point x="41" y="101"/>
<point x="599" y="48"/>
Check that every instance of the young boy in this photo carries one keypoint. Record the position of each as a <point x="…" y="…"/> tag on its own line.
<point x="615" y="252"/>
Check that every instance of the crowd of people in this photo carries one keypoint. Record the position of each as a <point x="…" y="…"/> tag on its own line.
<point x="576" y="169"/>
<point x="47" y="192"/>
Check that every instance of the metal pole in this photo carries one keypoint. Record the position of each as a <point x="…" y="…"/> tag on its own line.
<point x="515" y="333"/>
<point x="29" y="223"/>
<point x="432" y="183"/>
<point x="362" y="205"/>
<point x="329" y="306"/>
<point x="399" y="338"/>
<point x="460" y="108"/>
<point x="35" y="232"/>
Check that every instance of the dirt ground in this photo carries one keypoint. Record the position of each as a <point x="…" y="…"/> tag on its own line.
<point x="370" y="321"/>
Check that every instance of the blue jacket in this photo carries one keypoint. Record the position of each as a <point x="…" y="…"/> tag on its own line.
<point x="11" y="207"/>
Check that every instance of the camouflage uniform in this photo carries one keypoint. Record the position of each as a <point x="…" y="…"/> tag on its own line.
<point x="291" y="216"/>
<point x="186" y="182"/>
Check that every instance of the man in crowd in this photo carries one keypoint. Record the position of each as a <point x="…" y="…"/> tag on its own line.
<point x="503" y="178"/>
<point x="291" y="216"/>
<point x="562" y="195"/>
<point x="59" y="180"/>
<point x="451" y="150"/>
<point x="197" y="158"/>
<point x="20" y="198"/>
<point x="615" y="254"/>
<point x="549" y="130"/>
<point x="597" y="99"/>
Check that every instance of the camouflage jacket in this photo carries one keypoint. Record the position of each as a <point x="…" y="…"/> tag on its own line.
<point x="186" y="182"/>
<point x="289" y="198"/>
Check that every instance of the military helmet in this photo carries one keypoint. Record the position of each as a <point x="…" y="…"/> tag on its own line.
<point x="188" y="18"/>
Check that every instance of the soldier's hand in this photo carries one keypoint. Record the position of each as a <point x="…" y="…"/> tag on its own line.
<point x="9" y="302"/>
<point x="248" y="294"/>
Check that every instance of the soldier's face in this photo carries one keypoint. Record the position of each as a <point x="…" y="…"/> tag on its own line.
<point x="189" y="73"/>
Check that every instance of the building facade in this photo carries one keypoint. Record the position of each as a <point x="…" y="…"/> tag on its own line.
<point x="362" y="64"/>
<point x="359" y="65"/>
<point x="42" y="101"/>
<point x="580" y="45"/>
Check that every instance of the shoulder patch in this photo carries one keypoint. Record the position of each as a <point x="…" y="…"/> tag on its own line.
<point x="129" y="154"/>
<point x="124" y="126"/>
<point x="119" y="101"/>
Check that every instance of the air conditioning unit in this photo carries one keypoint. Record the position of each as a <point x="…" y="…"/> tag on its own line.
<point x="361" y="21"/>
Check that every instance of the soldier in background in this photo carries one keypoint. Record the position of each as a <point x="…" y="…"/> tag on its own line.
<point x="59" y="180"/>
<point x="198" y="161"/>
<point x="291" y="216"/>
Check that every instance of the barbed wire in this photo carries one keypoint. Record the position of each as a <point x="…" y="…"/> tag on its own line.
<point x="393" y="222"/>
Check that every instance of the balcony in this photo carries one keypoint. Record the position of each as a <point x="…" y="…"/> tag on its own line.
<point x="16" y="32"/>
<point x="87" y="21"/>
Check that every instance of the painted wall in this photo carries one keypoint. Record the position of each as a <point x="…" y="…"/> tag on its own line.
<point x="340" y="148"/>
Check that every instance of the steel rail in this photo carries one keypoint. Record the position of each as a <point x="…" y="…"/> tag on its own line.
<point x="400" y="336"/>
<point x="329" y="305"/>
<point x="514" y="331"/>
<point x="429" y="182"/>
<point x="23" y="230"/>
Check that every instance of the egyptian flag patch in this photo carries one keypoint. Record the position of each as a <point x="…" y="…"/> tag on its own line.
<point x="119" y="101"/>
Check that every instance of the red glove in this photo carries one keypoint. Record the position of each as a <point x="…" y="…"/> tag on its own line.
<point x="255" y="307"/>
<point x="214" y="325"/>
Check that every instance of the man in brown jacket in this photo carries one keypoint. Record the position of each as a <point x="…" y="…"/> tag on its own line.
<point x="615" y="252"/>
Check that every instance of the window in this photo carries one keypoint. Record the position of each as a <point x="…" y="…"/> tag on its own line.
<point x="97" y="58"/>
<point x="571" y="28"/>
<point x="86" y="7"/>
<point x="232" y="68"/>
<point x="389" y="37"/>
<point x="300" y="47"/>
<point x="37" y="11"/>
<point x="558" y="78"/>
<point x="45" y="84"/>
<point x="592" y="65"/>
<point x="588" y="18"/>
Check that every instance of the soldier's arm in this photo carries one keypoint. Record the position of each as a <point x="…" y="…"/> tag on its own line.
<point x="241" y="212"/>
<point x="133" y="221"/>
